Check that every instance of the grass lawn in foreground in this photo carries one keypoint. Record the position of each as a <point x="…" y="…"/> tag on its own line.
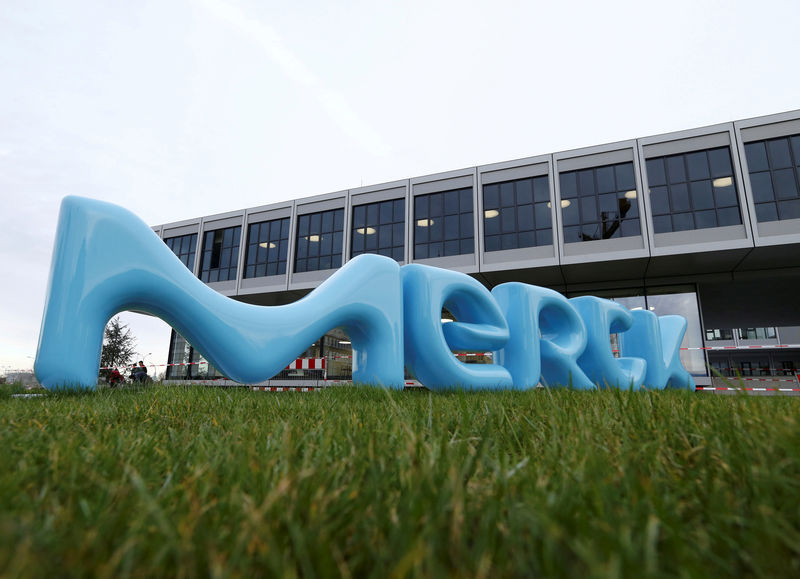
<point x="173" y="481"/>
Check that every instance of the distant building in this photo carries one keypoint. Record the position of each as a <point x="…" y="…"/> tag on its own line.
<point x="704" y="223"/>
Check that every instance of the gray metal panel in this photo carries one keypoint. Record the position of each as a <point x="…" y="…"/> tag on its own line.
<point x="605" y="246"/>
<point x="259" y="215"/>
<point x="684" y="145"/>
<point x="264" y="283"/>
<point x="168" y="231"/>
<point x="335" y="201"/>
<point x="364" y="195"/>
<point x="702" y="236"/>
<point x="520" y="258"/>
<point x="310" y="279"/>
<point x="778" y="125"/>
<point x="213" y="223"/>
<point x="577" y="161"/>
<point x="226" y="288"/>
<point x="464" y="263"/>
<point x="443" y="184"/>
<point x="511" y="173"/>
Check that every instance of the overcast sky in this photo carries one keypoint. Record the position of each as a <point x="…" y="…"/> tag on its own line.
<point x="176" y="109"/>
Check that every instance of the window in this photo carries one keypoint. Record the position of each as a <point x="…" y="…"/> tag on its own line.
<point x="757" y="333"/>
<point x="379" y="228"/>
<point x="599" y="203"/>
<point x="693" y="191"/>
<point x="517" y="214"/>
<point x="186" y="363"/>
<point x="184" y="247"/>
<point x="774" y="167"/>
<point x="443" y="224"/>
<point x="220" y="254"/>
<point x="267" y="246"/>
<point x="319" y="241"/>
<point x="717" y="334"/>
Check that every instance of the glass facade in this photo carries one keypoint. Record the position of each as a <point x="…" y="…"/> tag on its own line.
<point x="379" y="228"/>
<point x="184" y="246"/>
<point x="443" y="224"/>
<point x="718" y="334"/>
<point x="666" y="300"/>
<point x="267" y="247"/>
<point x="186" y="363"/>
<point x="694" y="190"/>
<point x="517" y="214"/>
<point x="757" y="333"/>
<point x="319" y="241"/>
<point x="220" y="254"/>
<point x="599" y="203"/>
<point x="774" y="167"/>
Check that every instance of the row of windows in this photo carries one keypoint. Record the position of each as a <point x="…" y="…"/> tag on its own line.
<point x="713" y="334"/>
<point x="687" y="191"/>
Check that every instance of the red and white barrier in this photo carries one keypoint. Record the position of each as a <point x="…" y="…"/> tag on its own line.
<point x="307" y="364"/>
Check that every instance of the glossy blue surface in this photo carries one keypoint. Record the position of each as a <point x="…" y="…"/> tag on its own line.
<point x="547" y="337"/>
<point x="601" y="318"/>
<point x="107" y="260"/>
<point x="657" y="340"/>
<point x="428" y="342"/>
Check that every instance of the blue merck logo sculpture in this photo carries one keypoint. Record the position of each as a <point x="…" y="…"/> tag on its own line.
<point x="107" y="260"/>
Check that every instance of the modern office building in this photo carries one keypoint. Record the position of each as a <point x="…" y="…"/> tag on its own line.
<point x="704" y="223"/>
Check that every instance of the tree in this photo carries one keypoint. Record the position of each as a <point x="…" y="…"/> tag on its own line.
<point x="119" y="346"/>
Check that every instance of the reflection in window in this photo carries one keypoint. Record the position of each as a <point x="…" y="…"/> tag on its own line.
<point x="757" y="333"/>
<point x="184" y="247"/>
<point x="267" y="246"/>
<point x="684" y="304"/>
<point x="319" y="241"/>
<point x="186" y="363"/>
<point x="517" y="214"/>
<point x="443" y="224"/>
<point x="718" y="334"/>
<point x="379" y="228"/>
<point x="599" y="203"/>
<point x="220" y="254"/>
<point x="693" y="191"/>
<point x="774" y="167"/>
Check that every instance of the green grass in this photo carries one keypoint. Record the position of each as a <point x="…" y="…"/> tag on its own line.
<point x="364" y="482"/>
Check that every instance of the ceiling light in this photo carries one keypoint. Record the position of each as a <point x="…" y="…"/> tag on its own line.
<point x="344" y="342"/>
<point x="489" y="213"/>
<point x="565" y="203"/>
<point x="630" y="194"/>
<point x="723" y="182"/>
<point x="424" y="222"/>
<point x="446" y="320"/>
<point x="267" y="245"/>
<point x="365" y="230"/>
<point x="313" y="238"/>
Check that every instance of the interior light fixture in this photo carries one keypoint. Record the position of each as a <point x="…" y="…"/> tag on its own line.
<point x="565" y="203"/>
<point x="723" y="182"/>
<point x="313" y="238"/>
<point x="424" y="222"/>
<point x="267" y="245"/>
<point x="630" y="194"/>
<point x="446" y="320"/>
<point x="344" y="342"/>
<point x="489" y="213"/>
<point x="365" y="230"/>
